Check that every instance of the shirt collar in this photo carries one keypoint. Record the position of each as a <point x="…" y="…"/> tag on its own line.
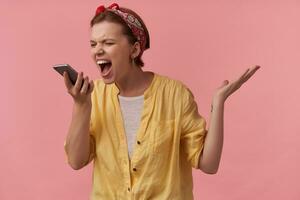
<point x="147" y="93"/>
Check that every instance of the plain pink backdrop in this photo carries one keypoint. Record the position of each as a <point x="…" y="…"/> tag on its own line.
<point x="200" y="43"/>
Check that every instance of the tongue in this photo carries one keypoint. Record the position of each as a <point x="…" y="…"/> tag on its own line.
<point x="106" y="69"/>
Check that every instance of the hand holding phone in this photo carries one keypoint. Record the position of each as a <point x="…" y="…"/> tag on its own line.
<point x="85" y="85"/>
<point x="72" y="73"/>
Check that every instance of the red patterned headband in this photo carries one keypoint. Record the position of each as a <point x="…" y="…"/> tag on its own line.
<point x="132" y="22"/>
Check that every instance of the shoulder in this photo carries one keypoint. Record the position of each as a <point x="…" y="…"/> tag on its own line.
<point x="174" y="85"/>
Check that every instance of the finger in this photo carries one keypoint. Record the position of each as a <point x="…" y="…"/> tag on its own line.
<point x="252" y="72"/>
<point x="245" y="73"/>
<point x="246" y="76"/>
<point x="240" y="79"/>
<point x="224" y="83"/>
<point x="91" y="86"/>
<point x="237" y="82"/>
<point x="85" y="85"/>
<point x="79" y="81"/>
<point x="249" y="72"/>
<point x="67" y="80"/>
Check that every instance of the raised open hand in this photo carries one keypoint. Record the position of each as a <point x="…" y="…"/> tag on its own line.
<point x="227" y="88"/>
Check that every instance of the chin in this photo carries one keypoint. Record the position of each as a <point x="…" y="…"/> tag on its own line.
<point x="108" y="81"/>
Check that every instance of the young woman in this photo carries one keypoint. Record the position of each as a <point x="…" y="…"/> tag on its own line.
<point x="141" y="129"/>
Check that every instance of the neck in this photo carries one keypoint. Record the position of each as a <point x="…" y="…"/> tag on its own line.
<point x="135" y="82"/>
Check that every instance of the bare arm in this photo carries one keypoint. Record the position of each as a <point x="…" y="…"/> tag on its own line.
<point x="210" y="158"/>
<point x="211" y="154"/>
<point x="77" y="141"/>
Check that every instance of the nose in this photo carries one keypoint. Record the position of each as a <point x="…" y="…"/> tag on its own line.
<point x="100" y="51"/>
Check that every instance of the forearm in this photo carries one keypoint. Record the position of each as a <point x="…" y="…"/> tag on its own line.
<point x="77" y="141"/>
<point x="209" y="162"/>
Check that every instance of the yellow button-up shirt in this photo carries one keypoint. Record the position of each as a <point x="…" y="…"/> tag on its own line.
<point x="169" y="143"/>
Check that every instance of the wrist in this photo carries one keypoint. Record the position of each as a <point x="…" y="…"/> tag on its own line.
<point x="218" y="101"/>
<point x="82" y="107"/>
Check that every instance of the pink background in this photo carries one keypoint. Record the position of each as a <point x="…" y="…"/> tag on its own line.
<point x="200" y="43"/>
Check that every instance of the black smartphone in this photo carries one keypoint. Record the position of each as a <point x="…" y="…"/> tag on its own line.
<point x="60" y="68"/>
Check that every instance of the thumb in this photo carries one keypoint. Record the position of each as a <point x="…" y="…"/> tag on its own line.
<point x="225" y="82"/>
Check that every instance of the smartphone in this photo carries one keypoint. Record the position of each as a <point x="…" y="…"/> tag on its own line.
<point x="60" y="68"/>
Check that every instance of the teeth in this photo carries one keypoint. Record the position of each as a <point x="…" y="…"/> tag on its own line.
<point x="100" y="62"/>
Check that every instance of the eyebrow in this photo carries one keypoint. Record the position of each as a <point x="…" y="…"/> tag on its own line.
<point x="103" y="40"/>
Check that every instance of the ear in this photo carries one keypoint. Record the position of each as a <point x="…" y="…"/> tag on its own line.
<point x="136" y="49"/>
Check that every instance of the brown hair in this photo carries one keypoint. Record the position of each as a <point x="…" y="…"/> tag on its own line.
<point x="112" y="17"/>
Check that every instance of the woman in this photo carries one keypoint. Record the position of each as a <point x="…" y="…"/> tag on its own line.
<point x="142" y="130"/>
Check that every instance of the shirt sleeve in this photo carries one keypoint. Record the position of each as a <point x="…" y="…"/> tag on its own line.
<point x="193" y="129"/>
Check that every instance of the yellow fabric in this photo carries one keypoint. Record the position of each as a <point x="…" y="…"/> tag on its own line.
<point x="169" y="142"/>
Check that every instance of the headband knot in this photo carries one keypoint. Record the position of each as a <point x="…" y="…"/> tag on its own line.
<point x="132" y="22"/>
<point x="100" y="9"/>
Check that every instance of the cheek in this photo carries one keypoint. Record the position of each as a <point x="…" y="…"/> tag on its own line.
<point x="120" y="54"/>
<point x="92" y="53"/>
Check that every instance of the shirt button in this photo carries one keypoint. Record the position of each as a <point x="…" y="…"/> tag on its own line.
<point x="134" y="169"/>
<point x="138" y="142"/>
<point x="129" y="189"/>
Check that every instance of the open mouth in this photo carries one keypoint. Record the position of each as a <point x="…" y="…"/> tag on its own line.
<point x="104" y="65"/>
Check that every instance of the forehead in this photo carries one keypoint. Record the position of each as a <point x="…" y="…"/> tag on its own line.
<point x="104" y="30"/>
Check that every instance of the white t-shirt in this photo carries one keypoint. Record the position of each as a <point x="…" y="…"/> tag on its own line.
<point x="131" y="108"/>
